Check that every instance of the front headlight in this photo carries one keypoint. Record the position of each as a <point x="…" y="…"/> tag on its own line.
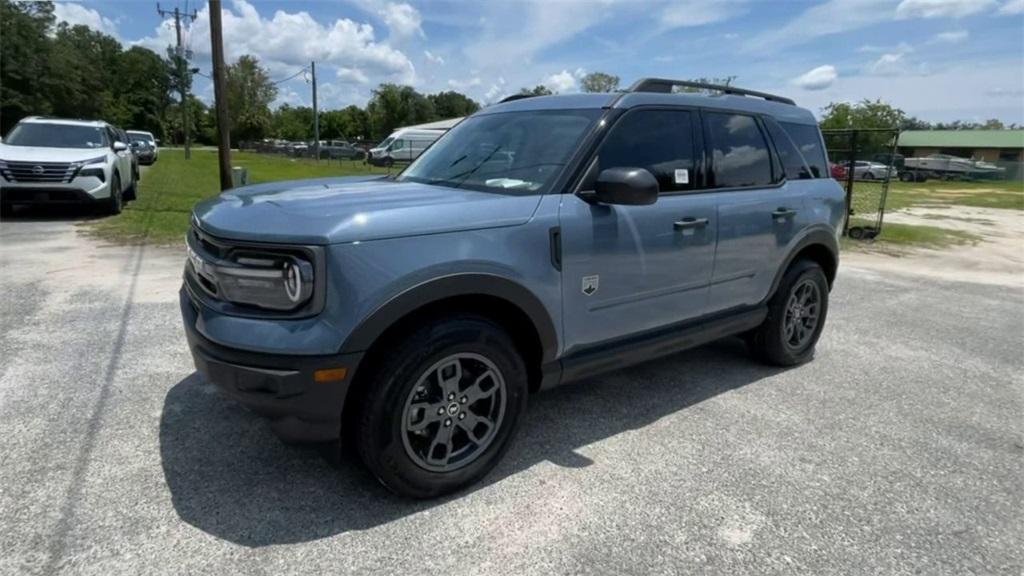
<point x="252" y="277"/>
<point x="92" y="167"/>
<point x="267" y="281"/>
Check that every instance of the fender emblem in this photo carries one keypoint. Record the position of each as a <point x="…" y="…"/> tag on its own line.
<point x="590" y="284"/>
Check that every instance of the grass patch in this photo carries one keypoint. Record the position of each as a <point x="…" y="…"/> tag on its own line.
<point x="1006" y="195"/>
<point x="895" y="239"/>
<point x="171" y="187"/>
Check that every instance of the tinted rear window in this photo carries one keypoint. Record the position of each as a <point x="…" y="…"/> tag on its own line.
<point x="739" y="152"/>
<point x="792" y="161"/>
<point x="808" y="141"/>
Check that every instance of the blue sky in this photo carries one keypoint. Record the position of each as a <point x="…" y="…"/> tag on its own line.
<point x="936" y="59"/>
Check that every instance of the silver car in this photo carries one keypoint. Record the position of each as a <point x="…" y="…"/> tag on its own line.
<point x="864" y="170"/>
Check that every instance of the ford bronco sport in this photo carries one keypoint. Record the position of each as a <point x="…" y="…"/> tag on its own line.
<point x="541" y="240"/>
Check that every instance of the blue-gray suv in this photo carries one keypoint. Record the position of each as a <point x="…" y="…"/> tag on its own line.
<point x="541" y="240"/>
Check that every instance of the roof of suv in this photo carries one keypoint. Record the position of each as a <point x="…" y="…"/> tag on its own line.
<point x="779" y="111"/>
<point x="67" y="121"/>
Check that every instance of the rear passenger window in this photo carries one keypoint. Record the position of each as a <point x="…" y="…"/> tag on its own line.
<point x="792" y="161"/>
<point x="660" y="141"/>
<point x="739" y="152"/>
<point x="808" y="141"/>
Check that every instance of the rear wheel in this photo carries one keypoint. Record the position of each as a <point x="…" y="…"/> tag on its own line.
<point x="444" y="407"/>
<point x="132" y="190"/>
<point x="796" y="316"/>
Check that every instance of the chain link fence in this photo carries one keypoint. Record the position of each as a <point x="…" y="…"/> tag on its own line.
<point x="865" y="162"/>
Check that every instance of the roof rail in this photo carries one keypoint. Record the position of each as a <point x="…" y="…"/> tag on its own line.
<point x="664" y="85"/>
<point x="516" y="97"/>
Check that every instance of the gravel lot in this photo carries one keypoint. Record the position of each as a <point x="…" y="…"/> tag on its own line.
<point x="899" y="450"/>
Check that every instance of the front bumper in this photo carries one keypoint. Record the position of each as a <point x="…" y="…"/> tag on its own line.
<point x="277" y="386"/>
<point x="13" y="193"/>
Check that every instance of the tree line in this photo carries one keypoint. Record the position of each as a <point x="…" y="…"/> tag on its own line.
<point x="53" y="69"/>
<point x="50" y="68"/>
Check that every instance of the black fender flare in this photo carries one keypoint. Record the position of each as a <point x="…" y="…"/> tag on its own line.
<point x="468" y="284"/>
<point x="822" y="236"/>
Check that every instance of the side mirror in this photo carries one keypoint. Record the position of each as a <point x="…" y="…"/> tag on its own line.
<point x="626" y="186"/>
<point x="119" y="146"/>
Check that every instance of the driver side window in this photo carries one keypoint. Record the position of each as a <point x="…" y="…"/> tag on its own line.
<point x="397" y="145"/>
<point x="661" y="141"/>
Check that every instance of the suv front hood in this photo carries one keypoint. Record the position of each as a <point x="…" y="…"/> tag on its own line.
<point x="43" y="154"/>
<point x="334" y="210"/>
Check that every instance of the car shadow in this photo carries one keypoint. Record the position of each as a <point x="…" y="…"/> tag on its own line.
<point x="230" y="477"/>
<point x="53" y="213"/>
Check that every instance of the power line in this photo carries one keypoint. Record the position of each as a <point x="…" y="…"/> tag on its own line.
<point x="302" y="71"/>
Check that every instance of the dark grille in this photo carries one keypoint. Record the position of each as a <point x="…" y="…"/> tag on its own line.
<point x="51" y="172"/>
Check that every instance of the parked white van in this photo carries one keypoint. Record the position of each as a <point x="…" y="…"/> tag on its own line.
<point x="404" y="145"/>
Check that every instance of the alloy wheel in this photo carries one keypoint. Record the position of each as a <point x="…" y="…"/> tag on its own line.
<point x="803" y="311"/>
<point x="454" y="412"/>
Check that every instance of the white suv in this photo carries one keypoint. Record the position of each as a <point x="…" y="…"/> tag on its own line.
<point x="55" y="161"/>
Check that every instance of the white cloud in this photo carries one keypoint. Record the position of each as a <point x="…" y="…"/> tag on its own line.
<point x="888" y="65"/>
<point x="402" y="20"/>
<point x="902" y="47"/>
<point x="352" y="76"/>
<point x="951" y="37"/>
<point x="1012" y="7"/>
<point x="982" y="88"/>
<point x="941" y="8"/>
<point x="817" y="79"/>
<point x="435" y="58"/>
<point x="463" y="84"/>
<point x="825" y="19"/>
<point x="290" y="39"/>
<point x="497" y="91"/>
<point x="76" y="14"/>
<point x="565" y="81"/>
<point x="561" y="82"/>
<point x="689" y="13"/>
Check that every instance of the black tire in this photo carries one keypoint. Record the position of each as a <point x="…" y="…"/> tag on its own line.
<point x="771" y="342"/>
<point x="115" y="202"/>
<point x="407" y="377"/>
<point x="132" y="192"/>
<point x="869" y="176"/>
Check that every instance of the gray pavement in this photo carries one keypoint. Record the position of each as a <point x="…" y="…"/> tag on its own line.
<point x="899" y="450"/>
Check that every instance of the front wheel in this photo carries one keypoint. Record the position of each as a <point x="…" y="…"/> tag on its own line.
<point x="796" y="316"/>
<point x="443" y="407"/>
<point x="116" y="201"/>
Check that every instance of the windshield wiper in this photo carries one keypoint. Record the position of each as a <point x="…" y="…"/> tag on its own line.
<point x="465" y="175"/>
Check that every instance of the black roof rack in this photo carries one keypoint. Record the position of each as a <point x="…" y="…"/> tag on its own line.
<point x="665" y="86"/>
<point x="516" y="97"/>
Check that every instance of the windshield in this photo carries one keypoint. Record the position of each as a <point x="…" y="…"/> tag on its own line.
<point x="387" y="142"/>
<point x="56" y="136"/>
<point x="509" y="152"/>
<point x="140" y="138"/>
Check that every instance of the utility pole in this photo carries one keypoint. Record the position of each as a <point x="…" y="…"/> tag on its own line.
<point x="182" y="70"/>
<point x="221" y="96"/>
<point x="316" y="115"/>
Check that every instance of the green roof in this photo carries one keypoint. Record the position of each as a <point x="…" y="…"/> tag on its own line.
<point x="962" y="139"/>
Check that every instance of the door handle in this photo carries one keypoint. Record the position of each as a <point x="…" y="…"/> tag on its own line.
<point x="688" y="223"/>
<point x="782" y="213"/>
